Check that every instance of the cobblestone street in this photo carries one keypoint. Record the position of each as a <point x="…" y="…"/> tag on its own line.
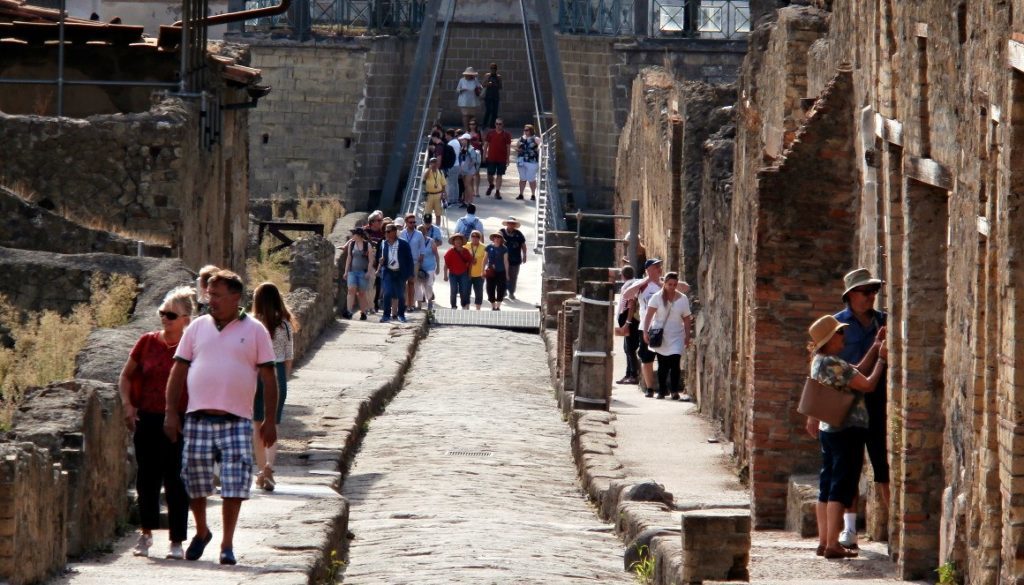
<point x="468" y="478"/>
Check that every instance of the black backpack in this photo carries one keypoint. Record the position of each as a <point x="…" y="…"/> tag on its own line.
<point x="448" y="159"/>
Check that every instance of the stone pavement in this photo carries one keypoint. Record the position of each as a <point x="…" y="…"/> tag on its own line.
<point x="507" y="509"/>
<point x="282" y="536"/>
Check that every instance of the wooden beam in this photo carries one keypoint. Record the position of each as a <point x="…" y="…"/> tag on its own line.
<point x="1015" y="54"/>
<point x="888" y="130"/>
<point x="929" y="172"/>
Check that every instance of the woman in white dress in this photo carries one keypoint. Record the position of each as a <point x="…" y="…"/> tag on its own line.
<point x="672" y="315"/>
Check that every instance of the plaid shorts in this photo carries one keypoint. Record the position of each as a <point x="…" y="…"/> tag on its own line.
<point x="225" y="439"/>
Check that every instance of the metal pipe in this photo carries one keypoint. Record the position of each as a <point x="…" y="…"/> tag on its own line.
<point x="227" y="17"/>
<point x="580" y="214"/>
<point x="6" y="81"/>
<point x="186" y="14"/>
<point x="595" y="239"/>
<point x="531" y="62"/>
<point x="634" y="233"/>
<point x="60" y="59"/>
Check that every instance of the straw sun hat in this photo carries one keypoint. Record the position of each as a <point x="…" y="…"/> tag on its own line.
<point x="822" y="331"/>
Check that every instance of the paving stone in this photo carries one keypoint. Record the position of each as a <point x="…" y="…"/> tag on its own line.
<point x="516" y="516"/>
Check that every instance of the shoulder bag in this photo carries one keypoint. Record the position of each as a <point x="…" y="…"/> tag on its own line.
<point x="656" y="335"/>
<point x="824" y="402"/>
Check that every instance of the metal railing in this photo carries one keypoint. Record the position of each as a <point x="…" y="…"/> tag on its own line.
<point x="704" y="19"/>
<point x="338" y="14"/>
<point x="548" y="214"/>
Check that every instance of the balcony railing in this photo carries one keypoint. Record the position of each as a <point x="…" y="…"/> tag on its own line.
<point x="705" y="19"/>
<point x="338" y="15"/>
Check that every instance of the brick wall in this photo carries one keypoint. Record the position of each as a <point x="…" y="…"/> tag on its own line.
<point x="33" y="522"/>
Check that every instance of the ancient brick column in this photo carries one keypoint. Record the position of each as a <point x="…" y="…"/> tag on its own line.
<point x="592" y="360"/>
<point x="560" y="239"/>
<point x="560" y="262"/>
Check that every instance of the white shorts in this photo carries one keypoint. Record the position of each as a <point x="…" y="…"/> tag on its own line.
<point x="527" y="171"/>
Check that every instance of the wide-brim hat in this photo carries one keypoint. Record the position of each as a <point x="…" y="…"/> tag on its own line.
<point x="822" y="331"/>
<point x="469" y="71"/>
<point x="496" y="235"/>
<point x="859" y="277"/>
<point x="510" y="221"/>
<point x="452" y="239"/>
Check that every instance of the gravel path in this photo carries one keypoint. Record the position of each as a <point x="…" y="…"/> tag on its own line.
<point x="421" y="515"/>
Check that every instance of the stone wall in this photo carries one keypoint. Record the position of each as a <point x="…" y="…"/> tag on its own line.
<point x="313" y="279"/>
<point x="599" y="74"/>
<point x="142" y="175"/>
<point x="30" y="227"/>
<point x="923" y="126"/>
<point x="80" y="424"/>
<point x="33" y="514"/>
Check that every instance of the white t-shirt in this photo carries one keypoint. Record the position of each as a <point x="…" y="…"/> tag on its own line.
<point x="645" y="298"/>
<point x="670" y="316"/>
<point x="467" y="92"/>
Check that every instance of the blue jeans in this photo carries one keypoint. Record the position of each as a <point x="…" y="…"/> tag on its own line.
<point x="394" y="288"/>
<point x="459" y="284"/>
<point x="478" y="289"/>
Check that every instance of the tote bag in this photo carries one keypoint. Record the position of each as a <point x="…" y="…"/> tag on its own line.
<point x="824" y="402"/>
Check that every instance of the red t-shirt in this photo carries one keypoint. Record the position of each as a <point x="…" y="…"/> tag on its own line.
<point x="149" y="384"/>
<point x="458" y="262"/>
<point x="498" y="143"/>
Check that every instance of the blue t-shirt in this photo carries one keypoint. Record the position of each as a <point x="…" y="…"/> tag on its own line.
<point x="496" y="257"/>
<point x="429" y="262"/>
<point x="857" y="341"/>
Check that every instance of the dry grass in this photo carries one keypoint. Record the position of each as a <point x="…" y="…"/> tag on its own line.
<point x="311" y="206"/>
<point x="46" y="343"/>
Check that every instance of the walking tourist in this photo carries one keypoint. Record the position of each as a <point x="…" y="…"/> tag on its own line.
<point x="143" y="386"/>
<point x="842" y="447"/>
<point x="434" y="186"/>
<point x="201" y="282"/>
<point x="865" y="327"/>
<point x="468" y="91"/>
<point x="469" y="169"/>
<point x="469" y="222"/>
<point x="457" y="263"/>
<point x="668" y="314"/>
<point x="496" y="271"/>
<point x="527" y="161"/>
<point x="476" y="136"/>
<point x="643" y="290"/>
<point x="492" y="96"/>
<point x="628" y="327"/>
<point x="375" y="233"/>
<point x="433" y="232"/>
<point x="497" y="144"/>
<point x="478" y="253"/>
<point x="269" y="307"/>
<point x="359" y="273"/>
<point x="429" y="268"/>
<point x="435" y="142"/>
<point x="221" y="355"/>
<point x="395" y="267"/>
<point x="417" y="247"/>
<point x="515" y="241"/>
<point x="449" y="164"/>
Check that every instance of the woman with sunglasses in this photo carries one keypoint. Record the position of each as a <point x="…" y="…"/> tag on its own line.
<point x="269" y="307"/>
<point x="143" y="385"/>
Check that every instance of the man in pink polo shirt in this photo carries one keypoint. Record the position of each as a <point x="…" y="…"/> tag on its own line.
<point x="221" y="354"/>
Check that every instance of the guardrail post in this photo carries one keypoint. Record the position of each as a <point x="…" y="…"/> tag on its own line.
<point x="568" y="329"/>
<point x="592" y="360"/>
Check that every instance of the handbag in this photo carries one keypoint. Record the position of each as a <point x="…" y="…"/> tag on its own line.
<point x="489" y="272"/>
<point x="656" y="336"/>
<point x="825" y="403"/>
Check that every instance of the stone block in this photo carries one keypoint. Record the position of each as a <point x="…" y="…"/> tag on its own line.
<point x="801" y="501"/>
<point x="33" y="533"/>
<point x="716" y="545"/>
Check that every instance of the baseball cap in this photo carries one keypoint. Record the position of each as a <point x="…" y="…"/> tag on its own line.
<point x="651" y="262"/>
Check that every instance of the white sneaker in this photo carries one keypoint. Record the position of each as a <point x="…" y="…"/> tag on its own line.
<point x="848" y="538"/>
<point x="176" y="552"/>
<point x="142" y="546"/>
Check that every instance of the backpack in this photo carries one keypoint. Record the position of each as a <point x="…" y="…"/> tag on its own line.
<point x="448" y="159"/>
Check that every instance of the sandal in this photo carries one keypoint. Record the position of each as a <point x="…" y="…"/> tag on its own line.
<point x="260" y="480"/>
<point x="820" y="551"/>
<point x="840" y="553"/>
<point x="268" y="479"/>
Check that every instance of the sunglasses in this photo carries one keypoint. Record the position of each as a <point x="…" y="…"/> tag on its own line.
<point x="169" y="315"/>
<point x="867" y="291"/>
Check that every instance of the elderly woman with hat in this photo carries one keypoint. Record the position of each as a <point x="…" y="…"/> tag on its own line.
<point x="468" y="90"/>
<point x="359" y="273"/>
<point x="842" y="446"/>
<point x="496" y="272"/>
<point x="528" y="161"/>
<point x="515" y="242"/>
<point x="457" y="263"/>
